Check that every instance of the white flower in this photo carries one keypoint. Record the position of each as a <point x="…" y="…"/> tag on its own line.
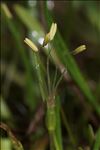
<point x="31" y="44"/>
<point x="49" y="36"/>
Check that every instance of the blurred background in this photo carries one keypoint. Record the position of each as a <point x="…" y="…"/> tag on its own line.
<point x="22" y="108"/>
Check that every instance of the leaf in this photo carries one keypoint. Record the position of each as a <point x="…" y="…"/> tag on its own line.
<point x="28" y="19"/>
<point x="19" y="45"/>
<point x="97" y="141"/>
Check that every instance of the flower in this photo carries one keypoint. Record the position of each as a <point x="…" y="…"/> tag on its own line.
<point x="79" y="49"/>
<point x="49" y="36"/>
<point x="31" y="44"/>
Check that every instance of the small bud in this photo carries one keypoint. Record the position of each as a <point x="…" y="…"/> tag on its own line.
<point x="49" y="36"/>
<point x="79" y="49"/>
<point x="31" y="44"/>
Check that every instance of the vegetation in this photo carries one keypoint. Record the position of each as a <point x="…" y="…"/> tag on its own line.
<point x="50" y="78"/>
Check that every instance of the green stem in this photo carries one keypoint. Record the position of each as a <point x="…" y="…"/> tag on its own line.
<point x="48" y="74"/>
<point x="56" y="142"/>
<point x="51" y="141"/>
<point x="68" y="128"/>
<point x="58" y="133"/>
<point x="97" y="141"/>
<point x="40" y="75"/>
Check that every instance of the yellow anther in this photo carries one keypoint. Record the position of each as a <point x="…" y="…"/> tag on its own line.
<point x="31" y="44"/>
<point x="79" y="49"/>
<point x="49" y="36"/>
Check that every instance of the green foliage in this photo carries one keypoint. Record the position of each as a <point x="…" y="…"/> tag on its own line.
<point x="71" y="65"/>
<point x="75" y="101"/>
<point x="97" y="141"/>
<point x="25" y="14"/>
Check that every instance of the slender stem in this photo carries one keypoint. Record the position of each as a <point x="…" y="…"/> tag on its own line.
<point x="59" y="80"/>
<point x="56" y="142"/>
<point x="68" y="127"/>
<point x="40" y="76"/>
<point x="48" y="71"/>
<point x="48" y="75"/>
<point x="58" y="132"/>
<point x="51" y="141"/>
<point x="55" y="76"/>
<point x="96" y="145"/>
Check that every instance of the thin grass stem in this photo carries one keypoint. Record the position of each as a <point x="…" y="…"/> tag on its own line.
<point x="55" y="77"/>
<point x="59" y="80"/>
<point x="48" y="72"/>
<point x="56" y="142"/>
<point x="68" y="128"/>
